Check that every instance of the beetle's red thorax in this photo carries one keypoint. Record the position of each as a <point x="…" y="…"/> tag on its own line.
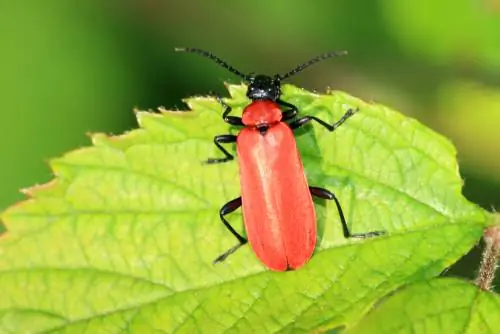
<point x="261" y="112"/>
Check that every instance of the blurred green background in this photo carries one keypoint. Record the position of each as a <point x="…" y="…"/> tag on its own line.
<point x="69" y="68"/>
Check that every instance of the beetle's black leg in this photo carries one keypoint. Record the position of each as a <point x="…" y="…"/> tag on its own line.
<point x="227" y="209"/>
<point x="290" y="113"/>
<point x="218" y="140"/>
<point x="326" y="194"/>
<point x="233" y="120"/>
<point x="306" y="119"/>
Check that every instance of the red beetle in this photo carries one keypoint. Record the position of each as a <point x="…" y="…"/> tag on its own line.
<point x="278" y="210"/>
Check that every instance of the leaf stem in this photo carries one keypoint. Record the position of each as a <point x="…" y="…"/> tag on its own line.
<point x="490" y="257"/>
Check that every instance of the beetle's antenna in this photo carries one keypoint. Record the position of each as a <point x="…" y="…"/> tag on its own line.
<point x="219" y="61"/>
<point x="311" y="62"/>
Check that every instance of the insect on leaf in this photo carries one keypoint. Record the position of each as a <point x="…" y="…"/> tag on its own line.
<point x="124" y="237"/>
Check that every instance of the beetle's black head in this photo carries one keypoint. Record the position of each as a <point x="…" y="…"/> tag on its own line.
<point x="263" y="87"/>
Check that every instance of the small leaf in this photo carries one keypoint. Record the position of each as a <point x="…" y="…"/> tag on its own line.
<point x="123" y="239"/>
<point x="436" y="306"/>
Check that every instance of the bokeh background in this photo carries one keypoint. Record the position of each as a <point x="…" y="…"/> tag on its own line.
<point x="72" y="67"/>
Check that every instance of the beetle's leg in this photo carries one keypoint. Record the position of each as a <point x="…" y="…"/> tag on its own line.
<point x="290" y="113"/>
<point x="326" y="194"/>
<point x="233" y="120"/>
<point x="218" y="140"/>
<point x="331" y="127"/>
<point x="227" y="209"/>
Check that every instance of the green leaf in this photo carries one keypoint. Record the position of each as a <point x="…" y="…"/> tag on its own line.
<point x="123" y="239"/>
<point x="435" y="306"/>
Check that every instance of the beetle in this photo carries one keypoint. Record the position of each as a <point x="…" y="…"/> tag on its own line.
<point x="278" y="210"/>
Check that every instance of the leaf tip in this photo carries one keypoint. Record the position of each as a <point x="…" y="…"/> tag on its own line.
<point x="161" y="110"/>
<point x="97" y="138"/>
<point x="236" y="91"/>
